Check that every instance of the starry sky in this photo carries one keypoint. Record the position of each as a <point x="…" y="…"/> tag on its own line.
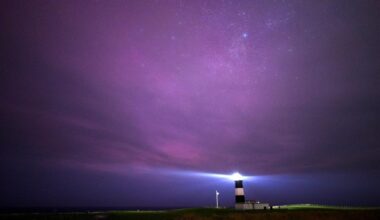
<point x="133" y="103"/>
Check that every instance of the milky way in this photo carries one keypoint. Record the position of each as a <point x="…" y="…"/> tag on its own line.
<point x="100" y="95"/>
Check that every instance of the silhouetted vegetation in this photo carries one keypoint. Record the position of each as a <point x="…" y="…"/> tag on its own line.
<point x="220" y="214"/>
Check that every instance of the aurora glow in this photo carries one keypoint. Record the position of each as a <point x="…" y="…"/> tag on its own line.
<point x="112" y="103"/>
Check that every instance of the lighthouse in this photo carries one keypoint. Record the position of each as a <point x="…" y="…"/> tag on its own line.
<point x="239" y="191"/>
<point x="240" y="203"/>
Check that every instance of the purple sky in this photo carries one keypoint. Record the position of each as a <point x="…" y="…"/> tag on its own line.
<point x="104" y="103"/>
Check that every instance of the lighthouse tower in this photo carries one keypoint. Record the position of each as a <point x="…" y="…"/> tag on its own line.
<point x="239" y="191"/>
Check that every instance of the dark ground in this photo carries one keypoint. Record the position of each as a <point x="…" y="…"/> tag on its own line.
<point x="188" y="214"/>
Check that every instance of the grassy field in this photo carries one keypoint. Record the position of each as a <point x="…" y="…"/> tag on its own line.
<point x="326" y="207"/>
<point x="300" y="211"/>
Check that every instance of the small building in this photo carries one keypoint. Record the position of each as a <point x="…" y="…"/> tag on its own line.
<point x="263" y="206"/>
<point x="244" y="206"/>
<point x="249" y="205"/>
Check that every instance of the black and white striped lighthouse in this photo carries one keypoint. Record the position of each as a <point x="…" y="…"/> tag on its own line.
<point x="239" y="189"/>
<point x="239" y="192"/>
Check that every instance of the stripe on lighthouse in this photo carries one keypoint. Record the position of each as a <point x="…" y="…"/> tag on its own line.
<point x="239" y="192"/>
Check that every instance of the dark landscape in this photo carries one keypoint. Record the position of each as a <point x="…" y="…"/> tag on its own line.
<point x="299" y="212"/>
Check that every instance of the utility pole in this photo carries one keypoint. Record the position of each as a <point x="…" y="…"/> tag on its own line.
<point x="217" y="199"/>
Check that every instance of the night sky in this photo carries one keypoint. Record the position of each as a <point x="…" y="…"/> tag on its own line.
<point x="134" y="103"/>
